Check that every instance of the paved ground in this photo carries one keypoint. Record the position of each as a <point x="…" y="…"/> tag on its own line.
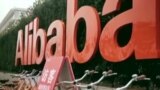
<point x="4" y="76"/>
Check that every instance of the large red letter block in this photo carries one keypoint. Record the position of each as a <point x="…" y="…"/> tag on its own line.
<point x="90" y="15"/>
<point x="144" y="41"/>
<point x="57" y="27"/>
<point x="19" y="49"/>
<point x="26" y="45"/>
<point x="38" y="35"/>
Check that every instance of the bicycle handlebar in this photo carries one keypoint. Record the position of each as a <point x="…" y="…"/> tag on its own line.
<point x="104" y="74"/>
<point x="30" y="76"/>
<point x="142" y="77"/>
<point x="92" y="72"/>
<point x="87" y="72"/>
<point x="135" y="77"/>
<point x="20" y="74"/>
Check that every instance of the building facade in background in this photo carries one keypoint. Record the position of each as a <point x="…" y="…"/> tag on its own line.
<point x="11" y="18"/>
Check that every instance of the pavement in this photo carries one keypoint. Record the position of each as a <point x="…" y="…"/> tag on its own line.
<point x="4" y="76"/>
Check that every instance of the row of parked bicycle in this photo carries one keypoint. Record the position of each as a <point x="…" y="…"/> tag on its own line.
<point x="26" y="80"/>
<point x="93" y="86"/>
<point x="29" y="81"/>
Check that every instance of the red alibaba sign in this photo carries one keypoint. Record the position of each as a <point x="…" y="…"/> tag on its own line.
<point x="144" y="43"/>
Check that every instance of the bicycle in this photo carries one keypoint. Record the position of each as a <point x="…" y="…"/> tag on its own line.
<point x="72" y="83"/>
<point x="24" y="81"/>
<point x="24" y="72"/>
<point x="91" y="86"/>
<point x="29" y="82"/>
<point x="135" y="77"/>
<point x="7" y="84"/>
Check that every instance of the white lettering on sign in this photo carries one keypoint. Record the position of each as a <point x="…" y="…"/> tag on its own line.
<point x="45" y="75"/>
<point x="51" y="76"/>
<point x="43" y="87"/>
